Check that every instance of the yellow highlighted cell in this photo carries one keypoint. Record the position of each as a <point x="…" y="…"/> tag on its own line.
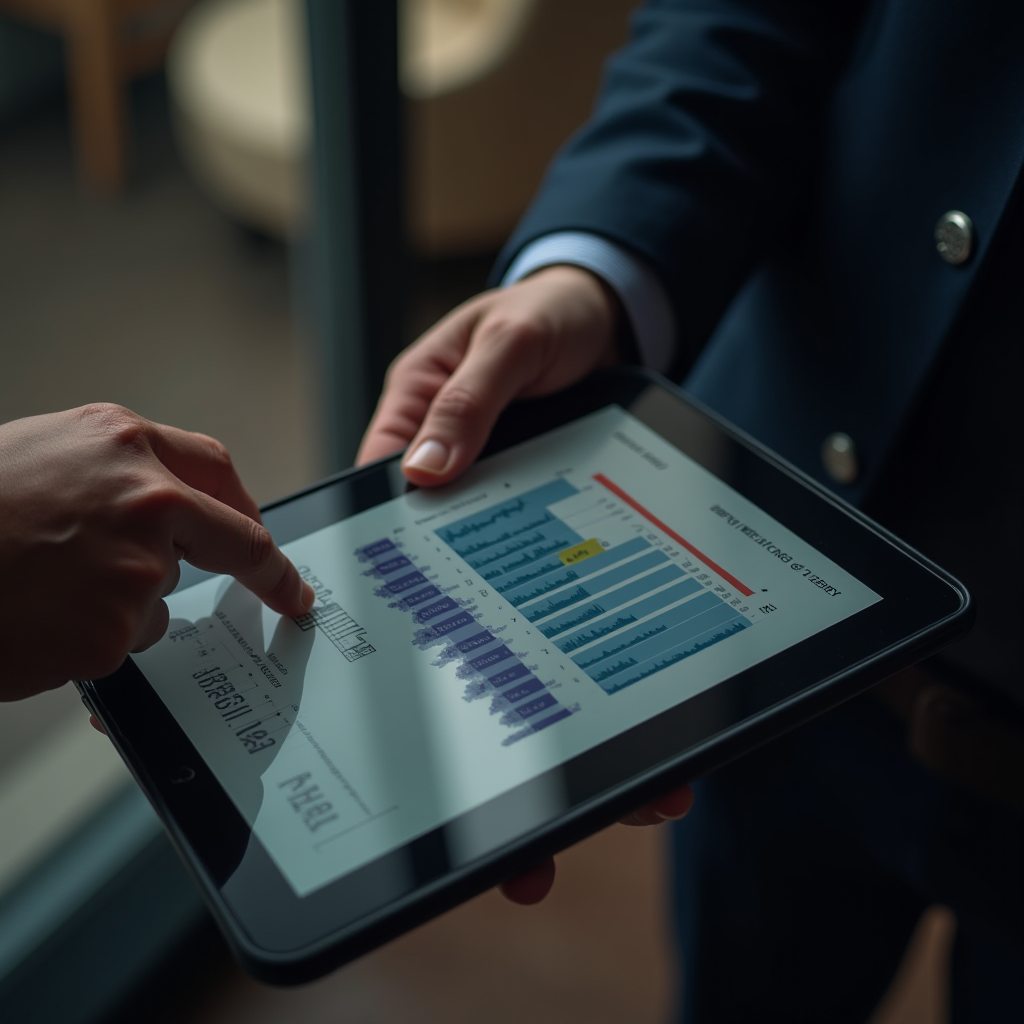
<point x="587" y="549"/>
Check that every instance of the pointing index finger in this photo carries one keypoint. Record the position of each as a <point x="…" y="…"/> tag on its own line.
<point x="218" y="538"/>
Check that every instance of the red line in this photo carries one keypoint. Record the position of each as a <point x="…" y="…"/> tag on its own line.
<point x="620" y="493"/>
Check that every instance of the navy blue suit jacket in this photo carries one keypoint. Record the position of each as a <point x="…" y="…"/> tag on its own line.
<point x="781" y="167"/>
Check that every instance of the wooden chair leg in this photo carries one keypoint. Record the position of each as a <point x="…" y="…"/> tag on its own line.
<point x="97" y="95"/>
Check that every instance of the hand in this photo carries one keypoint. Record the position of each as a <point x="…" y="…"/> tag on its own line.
<point x="444" y="393"/>
<point x="97" y="505"/>
<point x="533" y="885"/>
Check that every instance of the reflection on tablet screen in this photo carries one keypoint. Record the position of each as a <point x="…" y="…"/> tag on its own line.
<point x="466" y="640"/>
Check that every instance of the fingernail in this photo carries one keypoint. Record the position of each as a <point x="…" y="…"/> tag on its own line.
<point x="674" y="815"/>
<point x="308" y="596"/>
<point x="431" y="456"/>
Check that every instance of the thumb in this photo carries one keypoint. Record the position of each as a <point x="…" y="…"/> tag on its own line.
<point x="501" y="361"/>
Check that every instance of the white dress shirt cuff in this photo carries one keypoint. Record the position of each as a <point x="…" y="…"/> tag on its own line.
<point x="638" y="288"/>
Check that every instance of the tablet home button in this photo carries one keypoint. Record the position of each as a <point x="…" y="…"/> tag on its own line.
<point x="182" y="774"/>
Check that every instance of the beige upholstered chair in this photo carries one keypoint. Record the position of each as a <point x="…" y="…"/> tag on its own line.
<point x="494" y="87"/>
<point x="237" y="74"/>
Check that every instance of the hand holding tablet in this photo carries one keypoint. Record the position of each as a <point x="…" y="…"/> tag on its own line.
<point x="445" y="392"/>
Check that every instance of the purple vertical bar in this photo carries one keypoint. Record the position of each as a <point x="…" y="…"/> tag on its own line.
<point x="478" y="664"/>
<point x="545" y="722"/>
<point x="448" y="625"/>
<point x="471" y="643"/>
<point x="523" y="689"/>
<point x="532" y="707"/>
<point x="414" y="579"/>
<point x="431" y="611"/>
<point x="392" y="565"/>
<point x="420" y="596"/>
<point x="509" y="675"/>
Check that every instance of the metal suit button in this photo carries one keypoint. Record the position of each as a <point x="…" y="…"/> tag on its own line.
<point x="954" y="236"/>
<point x="839" y="457"/>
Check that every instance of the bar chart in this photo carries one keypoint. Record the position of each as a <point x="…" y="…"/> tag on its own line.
<point x="523" y="701"/>
<point x="605" y="580"/>
<point x="589" y="569"/>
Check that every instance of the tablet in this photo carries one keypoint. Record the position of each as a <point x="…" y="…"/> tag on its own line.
<point x="622" y="594"/>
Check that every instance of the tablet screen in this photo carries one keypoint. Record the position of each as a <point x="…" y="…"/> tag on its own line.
<point x="468" y="639"/>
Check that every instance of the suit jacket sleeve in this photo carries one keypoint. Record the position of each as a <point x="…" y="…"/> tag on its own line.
<point x="701" y="145"/>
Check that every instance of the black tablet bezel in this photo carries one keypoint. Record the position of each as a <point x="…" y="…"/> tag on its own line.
<point x="286" y="939"/>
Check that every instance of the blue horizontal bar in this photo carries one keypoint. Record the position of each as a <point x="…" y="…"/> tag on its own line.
<point x="624" y="595"/>
<point x="599" y="627"/>
<point x="519" y="594"/>
<point x="556" y="536"/>
<point x="533" y="707"/>
<point x="519" y="576"/>
<point x="540" y="518"/>
<point x="523" y="561"/>
<point x="523" y="689"/>
<point x="666" y="660"/>
<point x="495" y="518"/>
<point x="645" y="630"/>
<point x="603" y="581"/>
<point x="663" y="642"/>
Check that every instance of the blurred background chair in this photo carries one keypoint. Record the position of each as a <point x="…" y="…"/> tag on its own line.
<point x="493" y="87"/>
<point x="107" y="44"/>
<point x="239" y="79"/>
